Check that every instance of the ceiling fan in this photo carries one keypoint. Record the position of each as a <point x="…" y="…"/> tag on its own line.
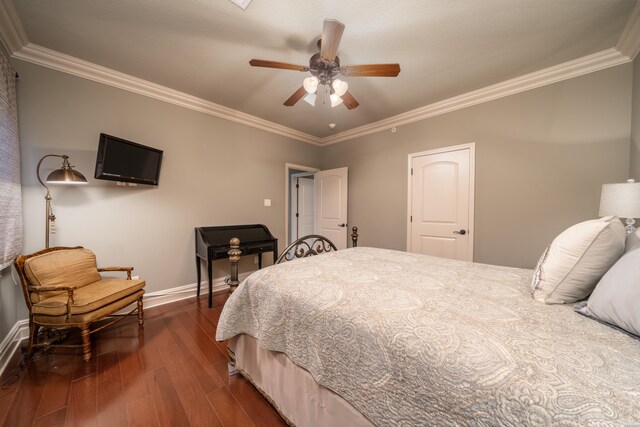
<point x="324" y="66"/>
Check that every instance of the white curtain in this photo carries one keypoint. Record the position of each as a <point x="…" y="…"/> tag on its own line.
<point x="10" y="195"/>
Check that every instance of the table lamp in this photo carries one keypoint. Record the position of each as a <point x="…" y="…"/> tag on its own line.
<point x="621" y="200"/>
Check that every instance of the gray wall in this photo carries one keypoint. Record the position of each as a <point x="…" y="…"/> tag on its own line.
<point x="214" y="172"/>
<point x="541" y="158"/>
<point x="634" y="166"/>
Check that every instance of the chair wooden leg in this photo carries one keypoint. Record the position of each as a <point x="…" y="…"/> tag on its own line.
<point x="86" y="344"/>
<point x="33" y="335"/>
<point x="140" y="312"/>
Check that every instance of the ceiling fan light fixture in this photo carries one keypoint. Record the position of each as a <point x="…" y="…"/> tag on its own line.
<point x="339" y="86"/>
<point x="310" y="84"/>
<point x="310" y="99"/>
<point x="335" y="99"/>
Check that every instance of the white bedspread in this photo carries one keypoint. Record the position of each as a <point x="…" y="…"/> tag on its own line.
<point x="414" y="340"/>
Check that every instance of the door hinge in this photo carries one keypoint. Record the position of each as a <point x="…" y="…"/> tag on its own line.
<point x="297" y="185"/>
<point x="411" y="218"/>
<point x="411" y="171"/>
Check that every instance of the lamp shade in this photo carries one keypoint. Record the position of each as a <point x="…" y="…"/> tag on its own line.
<point x="335" y="100"/>
<point x="339" y="86"/>
<point x="621" y="200"/>
<point x="310" y="98"/>
<point x="66" y="176"/>
<point x="310" y="84"/>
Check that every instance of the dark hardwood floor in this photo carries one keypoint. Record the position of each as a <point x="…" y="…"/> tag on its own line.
<point x="171" y="372"/>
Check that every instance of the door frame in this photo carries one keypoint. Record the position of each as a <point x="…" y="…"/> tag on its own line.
<point x="472" y="188"/>
<point x="287" y="168"/>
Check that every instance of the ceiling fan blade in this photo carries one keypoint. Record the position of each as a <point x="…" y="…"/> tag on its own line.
<point x="297" y="96"/>
<point x="371" y="70"/>
<point x="275" y="64"/>
<point x="331" y="34"/>
<point x="349" y="101"/>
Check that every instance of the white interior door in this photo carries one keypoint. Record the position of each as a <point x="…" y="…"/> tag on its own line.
<point x="302" y="202"/>
<point x="330" y="192"/>
<point x="441" y="185"/>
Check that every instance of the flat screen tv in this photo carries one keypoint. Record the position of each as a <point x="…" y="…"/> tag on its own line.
<point x="126" y="161"/>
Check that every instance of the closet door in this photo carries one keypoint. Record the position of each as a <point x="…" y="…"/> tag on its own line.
<point x="441" y="203"/>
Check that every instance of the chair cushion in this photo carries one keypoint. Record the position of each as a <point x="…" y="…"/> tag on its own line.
<point x="70" y="267"/>
<point x="85" y="318"/>
<point x="89" y="298"/>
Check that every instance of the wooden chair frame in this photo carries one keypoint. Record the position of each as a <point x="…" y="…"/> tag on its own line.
<point x="85" y="328"/>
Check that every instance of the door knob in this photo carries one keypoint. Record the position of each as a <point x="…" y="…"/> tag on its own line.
<point x="463" y="231"/>
<point x="342" y="225"/>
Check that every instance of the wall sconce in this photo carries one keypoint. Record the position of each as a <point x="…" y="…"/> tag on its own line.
<point x="64" y="175"/>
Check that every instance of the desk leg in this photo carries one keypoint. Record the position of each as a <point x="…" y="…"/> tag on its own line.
<point x="210" y="271"/>
<point x="259" y="261"/>
<point x="199" y="273"/>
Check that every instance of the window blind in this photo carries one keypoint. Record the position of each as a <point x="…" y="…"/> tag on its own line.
<point x="10" y="192"/>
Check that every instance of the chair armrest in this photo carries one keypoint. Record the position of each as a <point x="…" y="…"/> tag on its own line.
<point x="127" y="269"/>
<point x="69" y="290"/>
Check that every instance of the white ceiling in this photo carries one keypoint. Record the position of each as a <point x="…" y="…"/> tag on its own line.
<point x="445" y="48"/>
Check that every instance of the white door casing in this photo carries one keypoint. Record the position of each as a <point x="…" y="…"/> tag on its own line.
<point x="288" y="170"/>
<point x="330" y="192"/>
<point x="302" y="201"/>
<point x="441" y="202"/>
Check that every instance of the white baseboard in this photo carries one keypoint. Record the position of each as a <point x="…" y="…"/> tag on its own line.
<point x="166" y="296"/>
<point x="20" y="330"/>
<point x="11" y="342"/>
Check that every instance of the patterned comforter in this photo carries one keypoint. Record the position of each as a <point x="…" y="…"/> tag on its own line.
<point x="409" y="339"/>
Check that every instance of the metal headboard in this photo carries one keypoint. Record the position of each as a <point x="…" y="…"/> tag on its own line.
<point x="312" y="244"/>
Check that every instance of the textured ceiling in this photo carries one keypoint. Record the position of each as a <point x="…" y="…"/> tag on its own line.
<point x="445" y="48"/>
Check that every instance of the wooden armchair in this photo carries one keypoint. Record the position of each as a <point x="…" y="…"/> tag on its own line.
<point x="63" y="289"/>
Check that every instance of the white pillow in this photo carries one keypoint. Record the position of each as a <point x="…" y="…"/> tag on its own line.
<point x="573" y="263"/>
<point x="616" y="299"/>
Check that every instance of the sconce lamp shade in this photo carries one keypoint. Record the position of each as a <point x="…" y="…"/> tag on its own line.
<point x="621" y="200"/>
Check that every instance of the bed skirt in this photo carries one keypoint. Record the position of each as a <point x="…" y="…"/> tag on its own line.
<point x="299" y="399"/>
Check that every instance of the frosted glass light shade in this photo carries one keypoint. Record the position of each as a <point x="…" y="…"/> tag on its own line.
<point x="310" y="99"/>
<point x="335" y="100"/>
<point x="621" y="200"/>
<point x="340" y="87"/>
<point x="310" y="84"/>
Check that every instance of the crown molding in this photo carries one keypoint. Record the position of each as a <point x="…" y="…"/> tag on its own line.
<point x="587" y="64"/>
<point x="12" y="34"/>
<point x="629" y="41"/>
<point x="13" y="37"/>
<point x="39" y="55"/>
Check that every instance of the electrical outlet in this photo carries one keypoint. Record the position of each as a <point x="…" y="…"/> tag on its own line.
<point x="267" y="202"/>
<point x="135" y="277"/>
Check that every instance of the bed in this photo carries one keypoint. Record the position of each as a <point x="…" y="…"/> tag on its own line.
<point x="368" y="336"/>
